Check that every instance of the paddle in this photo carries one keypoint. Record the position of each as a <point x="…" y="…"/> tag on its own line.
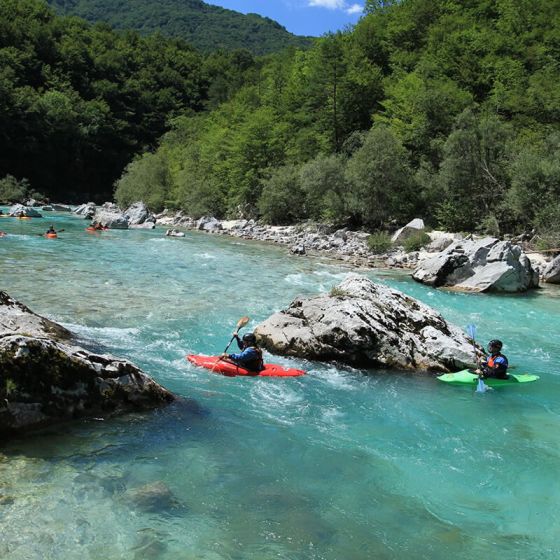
<point x="240" y="324"/>
<point x="481" y="386"/>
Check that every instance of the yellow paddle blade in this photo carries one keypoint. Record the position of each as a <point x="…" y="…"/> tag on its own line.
<point x="242" y="322"/>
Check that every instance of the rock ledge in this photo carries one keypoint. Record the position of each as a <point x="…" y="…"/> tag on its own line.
<point x="45" y="379"/>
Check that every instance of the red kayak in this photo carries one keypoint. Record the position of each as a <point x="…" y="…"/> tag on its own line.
<point x="218" y="365"/>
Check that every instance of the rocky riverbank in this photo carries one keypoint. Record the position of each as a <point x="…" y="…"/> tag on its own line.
<point x="461" y="262"/>
<point x="446" y="260"/>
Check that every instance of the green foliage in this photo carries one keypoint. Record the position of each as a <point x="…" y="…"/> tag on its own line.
<point x="379" y="242"/>
<point x="205" y="26"/>
<point x="547" y="223"/>
<point x="472" y="176"/>
<point x="443" y="109"/>
<point x="147" y="179"/>
<point x="337" y="292"/>
<point x="535" y="178"/>
<point x="380" y="179"/>
<point x="77" y="102"/>
<point x="416" y="241"/>
<point x="12" y="190"/>
<point x="281" y="200"/>
<point x="323" y="182"/>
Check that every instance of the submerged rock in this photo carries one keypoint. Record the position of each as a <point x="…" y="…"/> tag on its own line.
<point x="174" y="233"/>
<point x="154" y="497"/>
<point x="44" y="378"/>
<point x="479" y="266"/>
<point x="367" y="325"/>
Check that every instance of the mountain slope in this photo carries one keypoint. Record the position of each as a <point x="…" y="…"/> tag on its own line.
<point x="206" y="27"/>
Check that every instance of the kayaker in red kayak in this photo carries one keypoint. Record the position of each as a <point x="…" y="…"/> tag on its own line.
<point x="250" y="356"/>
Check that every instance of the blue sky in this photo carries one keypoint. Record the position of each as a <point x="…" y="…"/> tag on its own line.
<point x="302" y="17"/>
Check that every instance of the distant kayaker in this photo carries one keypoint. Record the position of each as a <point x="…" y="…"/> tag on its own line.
<point x="51" y="230"/>
<point x="250" y="356"/>
<point x="496" y="364"/>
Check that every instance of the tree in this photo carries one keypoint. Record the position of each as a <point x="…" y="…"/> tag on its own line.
<point x="380" y="179"/>
<point x="146" y="179"/>
<point x="281" y="199"/>
<point x="12" y="190"/>
<point x="324" y="184"/>
<point x="472" y="176"/>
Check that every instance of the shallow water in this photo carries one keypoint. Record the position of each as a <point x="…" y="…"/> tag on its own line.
<point x="339" y="465"/>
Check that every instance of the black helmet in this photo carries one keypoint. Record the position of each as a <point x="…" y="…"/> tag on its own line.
<point x="249" y="339"/>
<point x="495" y="345"/>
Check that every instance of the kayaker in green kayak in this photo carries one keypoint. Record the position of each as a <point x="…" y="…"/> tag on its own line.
<point x="250" y="356"/>
<point x="496" y="364"/>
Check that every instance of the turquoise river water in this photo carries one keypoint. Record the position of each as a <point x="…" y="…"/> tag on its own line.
<point x="341" y="464"/>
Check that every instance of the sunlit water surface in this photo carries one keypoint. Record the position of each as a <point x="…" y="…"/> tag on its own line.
<point x="341" y="464"/>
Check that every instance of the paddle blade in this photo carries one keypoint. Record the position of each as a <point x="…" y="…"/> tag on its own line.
<point x="481" y="386"/>
<point x="242" y="322"/>
<point x="471" y="330"/>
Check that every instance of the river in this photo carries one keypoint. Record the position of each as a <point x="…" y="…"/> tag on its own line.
<point x="340" y="464"/>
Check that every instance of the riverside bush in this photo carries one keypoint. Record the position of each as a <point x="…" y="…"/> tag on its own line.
<point x="12" y="190"/>
<point x="416" y="241"/>
<point x="379" y="242"/>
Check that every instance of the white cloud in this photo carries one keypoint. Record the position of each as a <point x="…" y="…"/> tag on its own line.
<point x="336" y="5"/>
<point x="329" y="4"/>
<point x="354" y="9"/>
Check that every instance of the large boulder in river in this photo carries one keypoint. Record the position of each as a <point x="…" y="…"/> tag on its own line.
<point x="111" y="216"/>
<point x="208" y="223"/>
<point x="139" y="214"/>
<point x="551" y="273"/>
<point x="45" y="378"/>
<point x="367" y="325"/>
<point x="479" y="266"/>
<point x="22" y="210"/>
<point x="86" y="210"/>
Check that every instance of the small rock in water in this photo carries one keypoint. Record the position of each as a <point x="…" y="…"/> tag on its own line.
<point x="154" y="497"/>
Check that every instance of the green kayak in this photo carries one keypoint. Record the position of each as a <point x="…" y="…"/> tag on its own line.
<point x="466" y="377"/>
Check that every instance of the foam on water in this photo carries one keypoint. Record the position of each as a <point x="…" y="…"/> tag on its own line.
<point x="339" y="464"/>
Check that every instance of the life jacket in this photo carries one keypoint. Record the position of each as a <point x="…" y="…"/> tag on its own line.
<point x="492" y="360"/>
<point x="257" y="363"/>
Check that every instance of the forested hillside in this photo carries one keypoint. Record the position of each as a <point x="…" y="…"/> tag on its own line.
<point x="446" y="109"/>
<point x="78" y="101"/>
<point x="205" y="26"/>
